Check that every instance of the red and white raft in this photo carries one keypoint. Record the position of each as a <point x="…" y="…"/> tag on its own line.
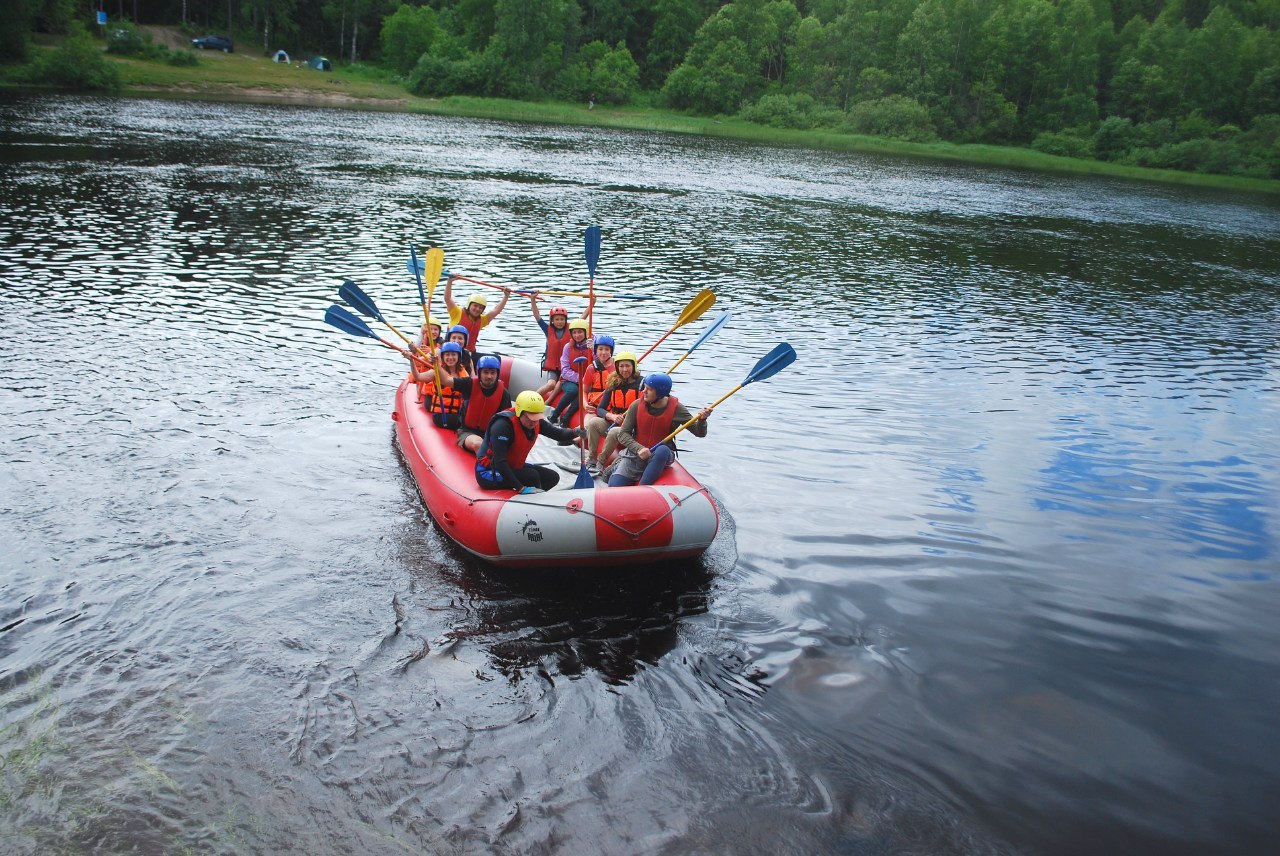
<point x="564" y="527"/>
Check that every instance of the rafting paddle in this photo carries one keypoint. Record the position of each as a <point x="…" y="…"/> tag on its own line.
<point x="695" y="310"/>
<point x="417" y="268"/>
<point x="584" y="479"/>
<point x="348" y="323"/>
<point x="770" y="364"/>
<point x="591" y="249"/>
<point x="363" y="303"/>
<point x="720" y="321"/>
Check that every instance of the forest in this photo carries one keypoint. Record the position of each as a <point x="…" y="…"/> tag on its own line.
<point x="1185" y="84"/>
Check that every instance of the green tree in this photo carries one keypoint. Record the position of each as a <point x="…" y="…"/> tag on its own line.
<point x="78" y="63"/>
<point x="616" y="77"/>
<point x="1217" y="53"/>
<point x="406" y="35"/>
<point x="16" y="33"/>
<point x="674" y="24"/>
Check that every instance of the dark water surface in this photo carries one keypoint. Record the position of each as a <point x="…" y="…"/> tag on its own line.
<point x="998" y="564"/>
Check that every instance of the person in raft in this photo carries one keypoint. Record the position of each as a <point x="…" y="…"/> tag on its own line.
<point x="482" y="397"/>
<point x="445" y="404"/>
<point x="620" y="390"/>
<point x="597" y="372"/>
<point x="500" y="463"/>
<point x="646" y="422"/>
<point x="429" y="336"/>
<point x="458" y="333"/>
<point x="472" y="316"/>
<point x="579" y="346"/>
<point x="557" y="333"/>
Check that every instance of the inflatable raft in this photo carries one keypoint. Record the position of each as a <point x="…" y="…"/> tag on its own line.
<point x="564" y="527"/>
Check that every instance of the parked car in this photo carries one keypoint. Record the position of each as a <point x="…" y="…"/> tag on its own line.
<point x="214" y="43"/>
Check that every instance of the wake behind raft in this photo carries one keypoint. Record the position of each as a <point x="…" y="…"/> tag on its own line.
<point x="564" y="527"/>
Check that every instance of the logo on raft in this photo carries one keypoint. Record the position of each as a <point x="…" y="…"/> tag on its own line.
<point x="531" y="530"/>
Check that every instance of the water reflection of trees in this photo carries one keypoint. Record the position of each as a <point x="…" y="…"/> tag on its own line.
<point x="611" y="620"/>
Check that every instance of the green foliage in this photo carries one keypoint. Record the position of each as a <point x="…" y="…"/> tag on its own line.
<point x="1177" y="84"/>
<point x="77" y="64"/>
<point x="616" y="77"/>
<point x="716" y="85"/>
<point x="406" y="35"/>
<point x="124" y="39"/>
<point x="448" y="69"/>
<point x="1063" y="144"/>
<point x="798" y="110"/>
<point x="15" y="35"/>
<point x="1114" y="138"/>
<point x="894" y="116"/>
<point x="182" y="58"/>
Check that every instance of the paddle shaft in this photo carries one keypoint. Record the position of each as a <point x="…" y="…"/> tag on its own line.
<point x="417" y="275"/>
<point x="679" y="361"/>
<point x="699" y="416"/>
<point x="505" y="288"/>
<point x="692" y="312"/>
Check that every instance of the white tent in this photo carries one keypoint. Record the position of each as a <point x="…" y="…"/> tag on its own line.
<point x="281" y="56"/>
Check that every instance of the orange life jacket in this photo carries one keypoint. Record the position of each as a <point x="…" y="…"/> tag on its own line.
<point x="618" y="399"/>
<point x="593" y="380"/>
<point x="649" y="428"/>
<point x="448" y="401"/>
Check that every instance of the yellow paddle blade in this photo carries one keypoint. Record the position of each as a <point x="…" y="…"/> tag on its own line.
<point x="435" y="264"/>
<point x="699" y="305"/>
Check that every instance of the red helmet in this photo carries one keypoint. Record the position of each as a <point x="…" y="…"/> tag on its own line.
<point x="559" y="310"/>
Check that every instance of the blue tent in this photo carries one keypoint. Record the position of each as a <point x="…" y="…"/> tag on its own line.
<point x="319" y="63"/>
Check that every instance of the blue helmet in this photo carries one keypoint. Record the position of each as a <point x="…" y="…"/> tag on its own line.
<point x="458" y="328"/>
<point x="607" y="341"/>
<point x="489" y="361"/>
<point x="660" y="383"/>
<point x="451" y="348"/>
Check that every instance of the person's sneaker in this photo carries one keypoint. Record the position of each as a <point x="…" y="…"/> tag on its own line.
<point x="593" y="467"/>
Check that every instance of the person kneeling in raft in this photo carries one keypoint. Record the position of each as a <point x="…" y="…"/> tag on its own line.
<point x="655" y="415"/>
<point x="480" y="401"/>
<point x="500" y="463"/>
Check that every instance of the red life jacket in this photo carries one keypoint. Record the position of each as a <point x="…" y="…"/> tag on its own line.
<point x="555" y="345"/>
<point x="521" y="442"/>
<point x="473" y="328"/>
<point x="482" y="406"/>
<point x="649" y="428"/>
<point x="618" y="399"/>
<point x="593" y="380"/>
<point x="575" y="350"/>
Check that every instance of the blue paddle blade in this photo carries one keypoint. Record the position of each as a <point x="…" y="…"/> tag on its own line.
<point x="772" y="363"/>
<point x="591" y="239"/>
<point x="415" y="266"/>
<point x="348" y="323"/>
<point x="417" y="273"/>
<point x="358" y="300"/>
<point x="584" y="481"/>
<point x="721" y="320"/>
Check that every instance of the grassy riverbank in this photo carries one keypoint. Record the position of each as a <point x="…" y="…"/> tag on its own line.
<point x="248" y="76"/>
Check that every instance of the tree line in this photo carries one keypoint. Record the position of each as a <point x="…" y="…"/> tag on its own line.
<point x="1183" y="84"/>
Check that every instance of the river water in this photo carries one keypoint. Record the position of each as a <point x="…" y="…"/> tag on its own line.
<point x="997" y="570"/>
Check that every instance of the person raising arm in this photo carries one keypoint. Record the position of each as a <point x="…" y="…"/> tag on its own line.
<point x="648" y="421"/>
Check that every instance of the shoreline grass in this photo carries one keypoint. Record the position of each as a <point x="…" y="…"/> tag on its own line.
<point x="245" y="77"/>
